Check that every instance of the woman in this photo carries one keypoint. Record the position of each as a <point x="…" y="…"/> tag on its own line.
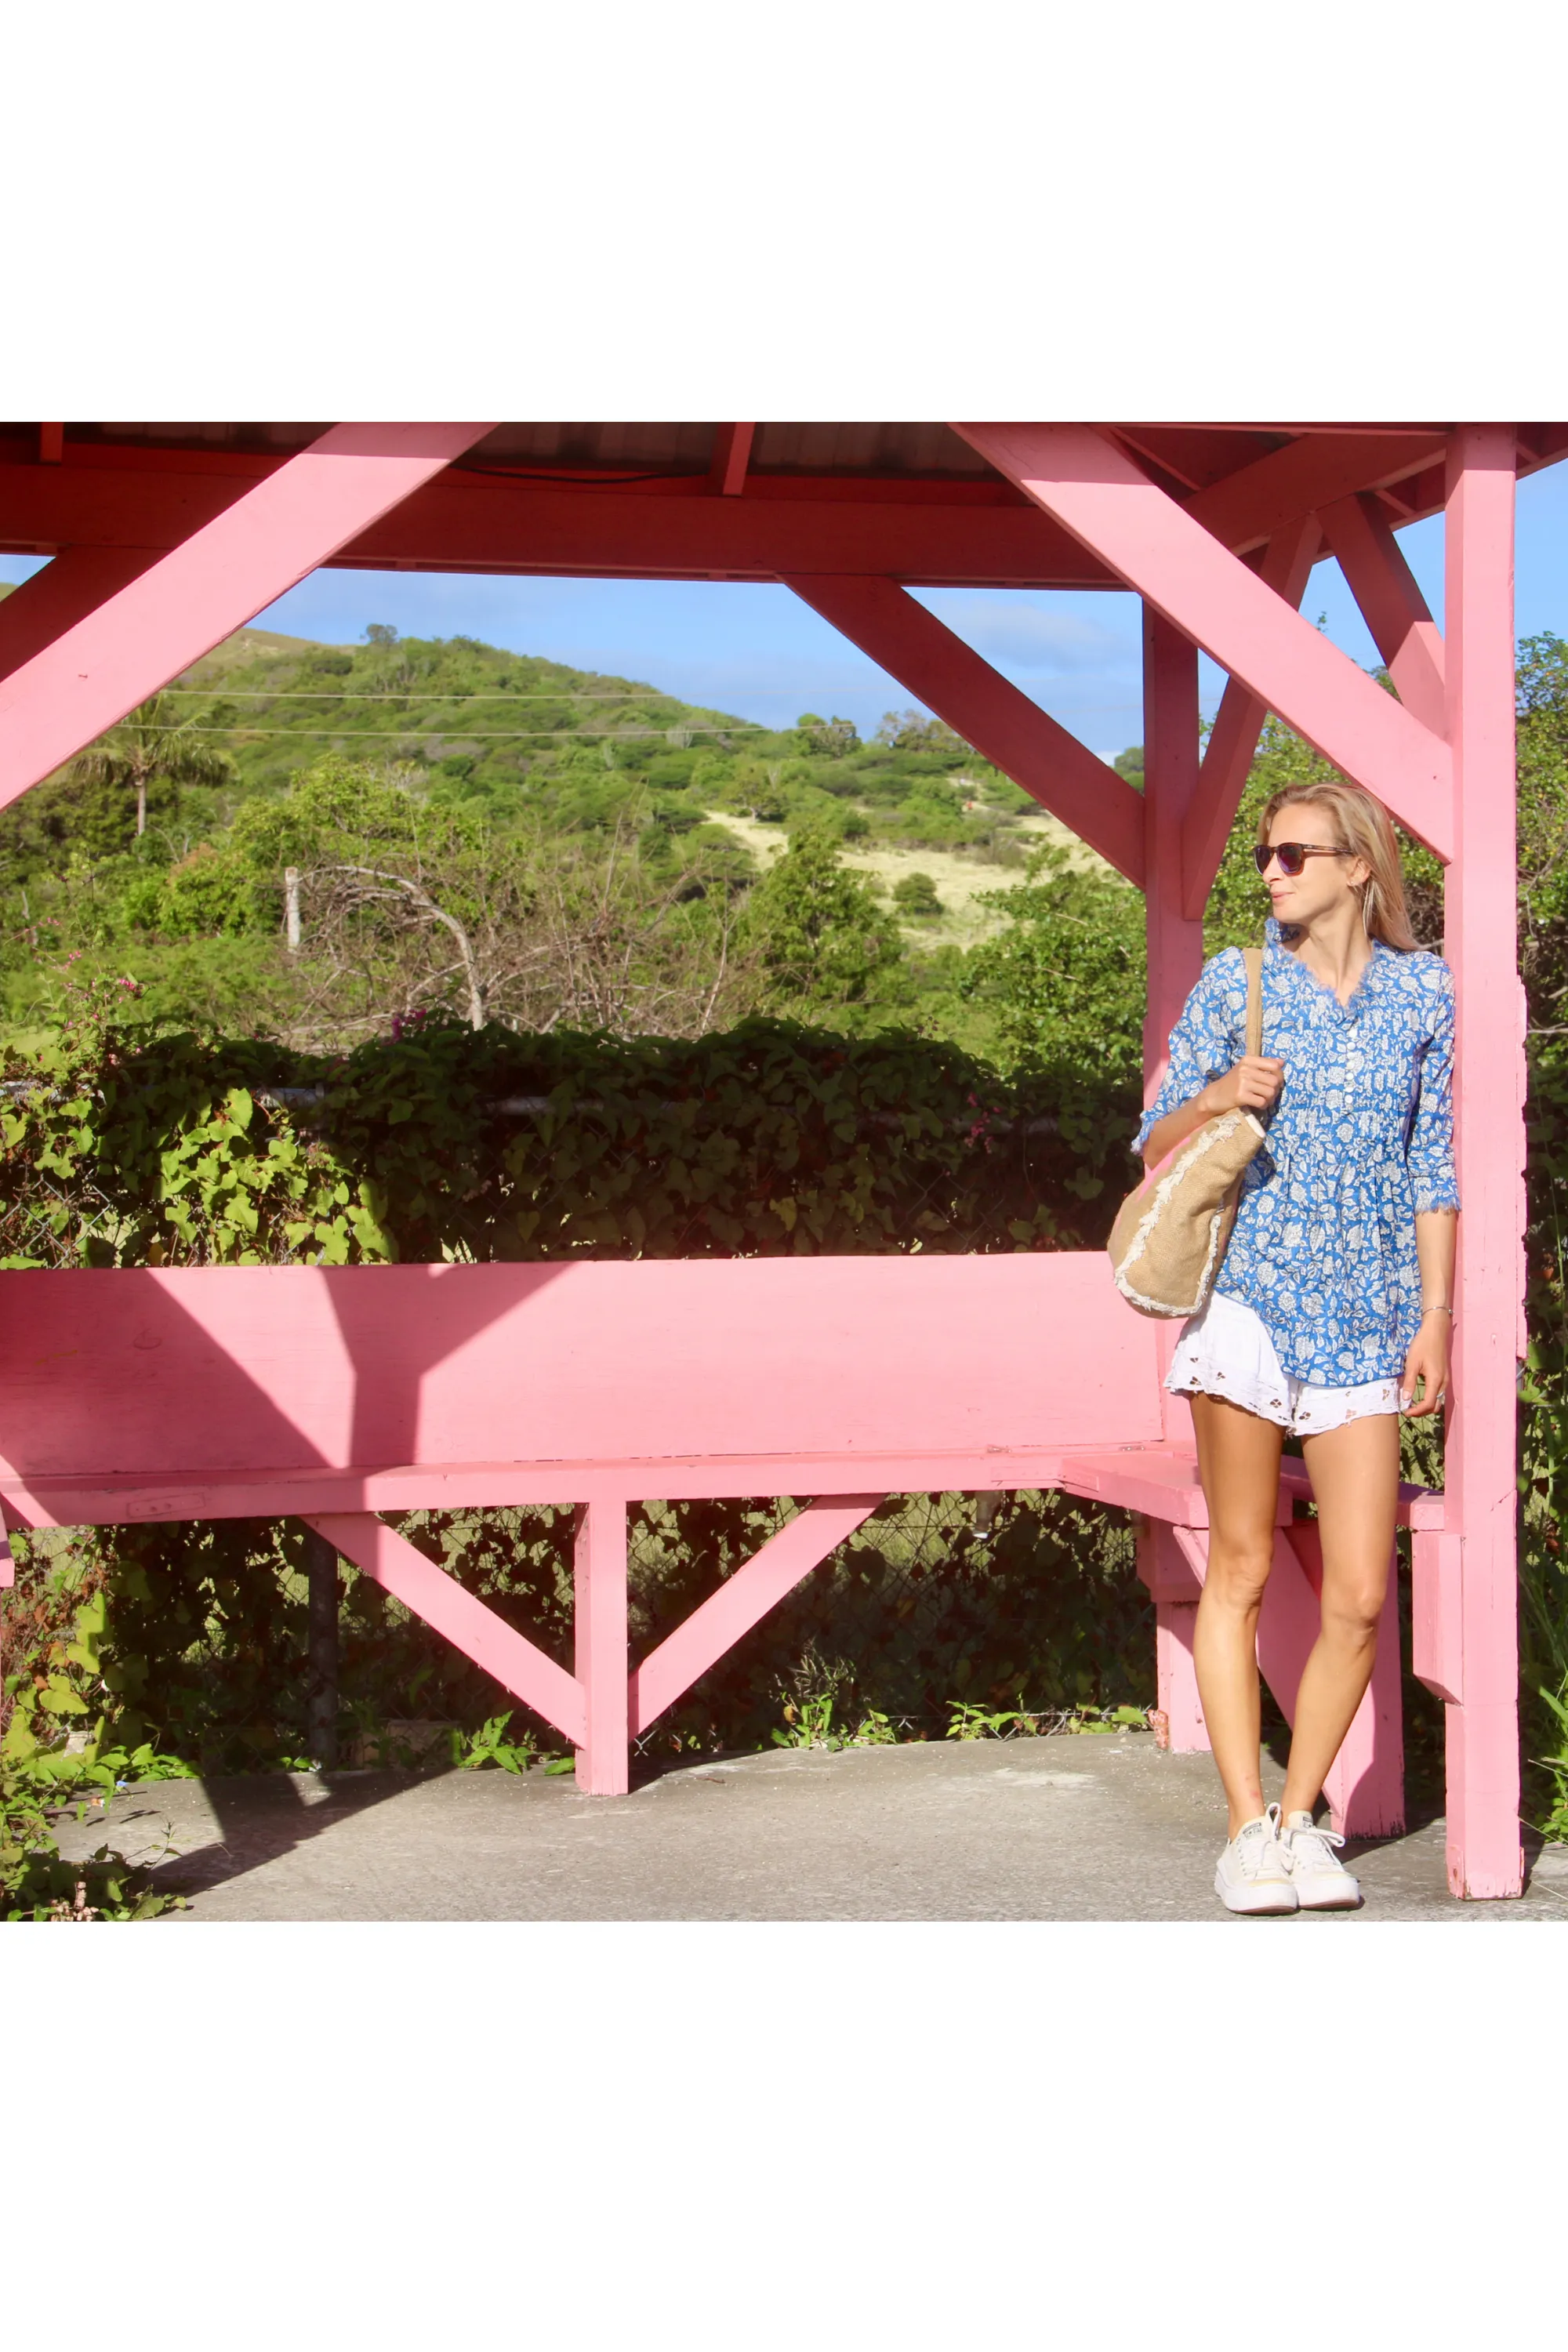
<point x="1332" y="1312"/>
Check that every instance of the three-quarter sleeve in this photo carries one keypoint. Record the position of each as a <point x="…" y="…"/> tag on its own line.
<point x="1430" y="1151"/>
<point x="1204" y="1042"/>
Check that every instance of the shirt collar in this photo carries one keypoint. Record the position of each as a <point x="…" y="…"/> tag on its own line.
<point x="1275" y="946"/>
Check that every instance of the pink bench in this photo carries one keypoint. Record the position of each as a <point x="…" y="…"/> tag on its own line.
<point x="339" y="1395"/>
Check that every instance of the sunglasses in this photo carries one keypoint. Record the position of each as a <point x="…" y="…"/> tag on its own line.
<point x="1292" y="856"/>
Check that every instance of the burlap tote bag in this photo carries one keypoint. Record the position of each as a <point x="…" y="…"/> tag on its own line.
<point x="1170" y="1237"/>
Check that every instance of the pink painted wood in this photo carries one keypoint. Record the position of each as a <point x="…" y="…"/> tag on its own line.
<point x="1365" y="1786"/>
<point x="1175" y="941"/>
<point x="742" y="1600"/>
<point x="594" y="1376"/>
<point x="76" y="582"/>
<point x="1173" y="1586"/>
<point x="1392" y="605"/>
<point x="1484" y="1849"/>
<point x="951" y="679"/>
<point x="731" y="457"/>
<point x="1436" y="1615"/>
<point x="602" y="1657"/>
<point x="1286" y="568"/>
<point x="1112" y="507"/>
<point x="336" y="1392"/>
<point x="89" y="677"/>
<point x="516" y="1664"/>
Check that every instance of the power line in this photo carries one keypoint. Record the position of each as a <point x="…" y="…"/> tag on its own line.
<point x="407" y="694"/>
<point x="470" y="734"/>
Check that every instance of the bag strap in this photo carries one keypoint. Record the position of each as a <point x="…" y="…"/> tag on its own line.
<point x="1253" y="959"/>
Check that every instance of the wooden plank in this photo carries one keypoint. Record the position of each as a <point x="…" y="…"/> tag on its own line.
<point x="106" y="1500"/>
<point x="1158" y="548"/>
<point x="1160" y="1480"/>
<point x="732" y="455"/>
<point x="190" y="600"/>
<point x="1014" y="733"/>
<point x="202" y="1373"/>
<point x="1421" y="1507"/>
<point x="1286" y="567"/>
<point x="462" y="522"/>
<point x="516" y="1664"/>
<point x="742" y="1600"/>
<point x="1392" y="604"/>
<point x="1249" y="505"/>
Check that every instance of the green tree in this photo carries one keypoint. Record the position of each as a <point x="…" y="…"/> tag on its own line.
<point x="1065" y="980"/>
<point x="916" y="898"/>
<point x="818" y="934"/>
<point x="150" y="748"/>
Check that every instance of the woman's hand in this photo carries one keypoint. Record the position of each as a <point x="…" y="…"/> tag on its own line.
<point x="1427" y="1361"/>
<point x="1252" y="1084"/>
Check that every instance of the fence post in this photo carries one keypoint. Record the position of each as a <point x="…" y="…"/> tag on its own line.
<point x="321" y="1680"/>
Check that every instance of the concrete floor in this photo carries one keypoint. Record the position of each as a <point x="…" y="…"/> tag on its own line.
<point x="1066" y="1828"/>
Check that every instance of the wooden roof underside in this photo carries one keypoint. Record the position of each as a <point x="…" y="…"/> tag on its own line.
<point x="912" y="501"/>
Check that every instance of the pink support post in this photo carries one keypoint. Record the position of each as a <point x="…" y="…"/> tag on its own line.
<point x="1165" y="1566"/>
<point x="1484" y="1852"/>
<point x="1175" y="955"/>
<point x="600" y="1566"/>
<point x="1365" y="1785"/>
<point x="1175" y="940"/>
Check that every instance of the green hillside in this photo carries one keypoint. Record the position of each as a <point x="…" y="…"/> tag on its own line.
<point x="161" y="854"/>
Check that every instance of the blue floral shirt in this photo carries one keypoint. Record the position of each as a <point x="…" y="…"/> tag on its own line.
<point x="1360" y="1139"/>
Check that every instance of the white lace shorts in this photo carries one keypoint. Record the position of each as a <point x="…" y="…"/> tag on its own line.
<point x="1226" y="1352"/>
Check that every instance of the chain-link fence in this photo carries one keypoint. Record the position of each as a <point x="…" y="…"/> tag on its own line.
<point x="992" y="1604"/>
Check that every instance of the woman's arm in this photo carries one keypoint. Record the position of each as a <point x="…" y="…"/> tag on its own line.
<point x="1427" y="1359"/>
<point x="1251" y="1084"/>
<point x="1201" y="1077"/>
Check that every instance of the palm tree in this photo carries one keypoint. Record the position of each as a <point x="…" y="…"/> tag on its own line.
<point x="151" y="745"/>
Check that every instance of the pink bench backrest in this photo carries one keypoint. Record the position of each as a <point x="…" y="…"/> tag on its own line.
<point x="237" y="1368"/>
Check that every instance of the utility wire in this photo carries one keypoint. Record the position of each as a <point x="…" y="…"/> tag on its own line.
<point x="473" y="734"/>
<point x="408" y="694"/>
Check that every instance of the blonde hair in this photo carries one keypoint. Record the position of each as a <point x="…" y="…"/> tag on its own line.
<point x="1362" y="826"/>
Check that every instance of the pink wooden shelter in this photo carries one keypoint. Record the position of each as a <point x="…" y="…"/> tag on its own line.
<point x="343" y="1395"/>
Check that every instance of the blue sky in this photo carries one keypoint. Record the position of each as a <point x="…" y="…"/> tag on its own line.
<point x="759" y="653"/>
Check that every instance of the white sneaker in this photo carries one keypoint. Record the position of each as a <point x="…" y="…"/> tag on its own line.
<point x="1321" y="1879"/>
<point x="1254" y="1873"/>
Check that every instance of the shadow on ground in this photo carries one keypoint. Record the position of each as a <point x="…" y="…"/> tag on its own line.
<point x="1064" y="1828"/>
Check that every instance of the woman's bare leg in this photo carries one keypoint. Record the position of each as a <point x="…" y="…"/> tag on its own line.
<point x="1238" y="1461"/>
<point x="1355" y="1482"/>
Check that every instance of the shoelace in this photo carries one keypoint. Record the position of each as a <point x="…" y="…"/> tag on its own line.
<point x="1254" y="1843"/>
<point x="1323" y="1859"/>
